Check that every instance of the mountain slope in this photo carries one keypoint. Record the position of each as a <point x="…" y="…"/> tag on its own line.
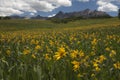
<point x="87" y="13"/>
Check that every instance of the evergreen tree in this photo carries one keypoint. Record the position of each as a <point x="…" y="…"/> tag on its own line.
<point x="119" y="13"/>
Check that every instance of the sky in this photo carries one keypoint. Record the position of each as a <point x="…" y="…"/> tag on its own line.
<point x="51" y="7"/>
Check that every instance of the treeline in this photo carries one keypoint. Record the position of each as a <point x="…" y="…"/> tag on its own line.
<point x="65" y="20"/>
<point x="71" y="19"/>
<point x="119" y="13"/>
<point x="5" y="18"/>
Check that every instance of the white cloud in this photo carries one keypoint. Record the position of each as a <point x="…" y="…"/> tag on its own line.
<point x="52" y="15"/>
<point x="32" y="14"/>
<point x="84" y="0"/>
<point x="10" y="7"/>
<point x="17" y="7"/>
<point x="107" y="5"/>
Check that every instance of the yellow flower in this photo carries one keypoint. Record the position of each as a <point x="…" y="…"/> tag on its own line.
<point x="107" y="49"/>
<point x="95" y="64"/>
<point x="26" y="51"/>
<point x="32" y="41"/>
<point x="78" y="42"/>
<point x="92" y="53"/>
<point x="60" y="53"/>
<point x="102" y="58"/>
<point x="117" y="65"/>
<point x="51" y="42"/>
<point x="37" y="47"/>
<point x="92" y="75"/>
<point x="76" y="65"/>
<point x="94" y="42"/>
<point x="36" y="42"/>
<point x="8" y="52"/>
<point x="79" y="75"/>
<point x="47" y="57"/>
<point x="113" y="53"/>
<point x="61" y="50"/>
<point x="74" y="53"/>
<point x="97" y="69"/>
<point x="81" y="53"/>
<point x="33" y="56"/>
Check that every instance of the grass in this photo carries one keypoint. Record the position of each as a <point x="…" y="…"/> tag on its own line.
<point x="17" y="25"/>
<point x="41" y="50"/>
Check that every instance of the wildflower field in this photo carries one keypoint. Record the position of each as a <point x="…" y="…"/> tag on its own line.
<point x="41" y="50"/>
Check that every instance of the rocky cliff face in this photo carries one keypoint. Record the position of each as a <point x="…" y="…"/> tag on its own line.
<point x="87" y="13"/>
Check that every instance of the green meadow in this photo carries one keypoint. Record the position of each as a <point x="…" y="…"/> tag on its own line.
<point x="17" y="25"/>
<point x="86" y="49"/>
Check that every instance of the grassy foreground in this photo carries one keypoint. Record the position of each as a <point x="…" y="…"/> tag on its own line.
<point x="41" y="50"/>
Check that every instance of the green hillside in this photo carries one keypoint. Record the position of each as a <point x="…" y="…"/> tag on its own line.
<point x="17" y="25"/>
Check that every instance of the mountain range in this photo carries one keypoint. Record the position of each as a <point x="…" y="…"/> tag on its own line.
<point x="84" y="14"/>
<point x="87" y="13"/>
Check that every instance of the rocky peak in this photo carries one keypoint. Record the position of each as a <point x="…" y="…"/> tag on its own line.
<point x="87" y="13"/>
<point x="60" y="14"/>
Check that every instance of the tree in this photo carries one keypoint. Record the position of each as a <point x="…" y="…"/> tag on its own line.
<point x="119" y="13"/>
<point x="7" y="17"/>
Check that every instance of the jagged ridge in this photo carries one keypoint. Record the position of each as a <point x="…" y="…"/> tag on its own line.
<point x="87" y="13"/>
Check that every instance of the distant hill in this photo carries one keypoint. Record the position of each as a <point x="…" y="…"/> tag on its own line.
<point x="16" y="17"/>
<point x="87" y="13"/>
<point x="39" y="17"/>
